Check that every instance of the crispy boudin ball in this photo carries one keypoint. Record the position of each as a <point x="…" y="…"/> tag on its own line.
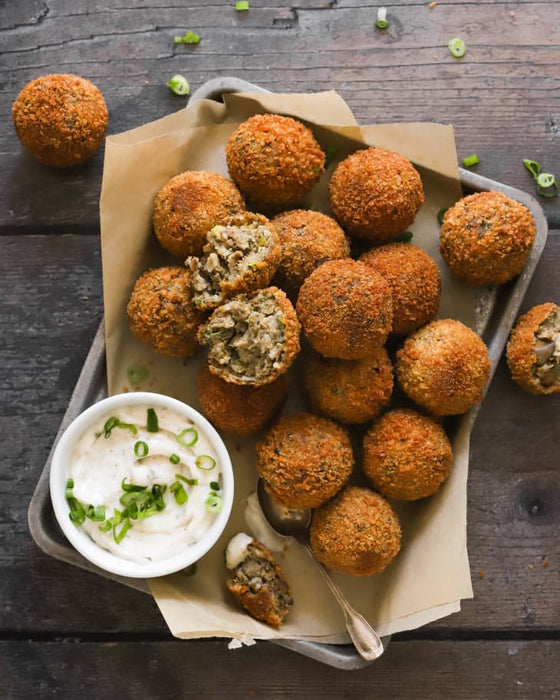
<point x="61" y="119"/>
<point x="240" y="255"/>
<point x="241" y="410"/>
<point x="161" y="312"/>
<point x="253" y="338"/>
<point x="346" y="309"/>
<point x="533" y="350"/>
<point x="274" y="160"/>
<point x="357" y="533"/>
<point x="349" y="391"/>
<point x="414" y="280"/>
<point x="486" y="238"/>
<point x="304" y="460"/>
<point x="308" y="239"/>
<point x="444" y="367"/>
<point x="406" y="455"/>
<point x="257" y="581"/>
<point x="375" y="194"/>
<point x="189" y="205"/>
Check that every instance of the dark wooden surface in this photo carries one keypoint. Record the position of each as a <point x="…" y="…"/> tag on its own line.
<point x="62" y="629"/>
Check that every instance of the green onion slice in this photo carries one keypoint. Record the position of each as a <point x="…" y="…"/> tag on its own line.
<point x="152" y="422"/>
<point x="179" y="85"/>
<point x="205" y="462"/>
<point x="215" y="486"/>
<point x="533" y="167"/>
<point x="106" y="527"/>
<point x="546" y="180"/>
<point x="187" y="437"/>
<point x="241" y="5"/>
<point x="174" y="459"/>
<point x="470" y="160"/>
<point x="381" y="21"/>
<point x="69" y="483"/>
<point x="190" y="482"/>
<point x="179" y="492"/>
<point x="141" y="449"/>
<point x="119" y="536"/>
<point x="157" y="492"/>
<point x="114" y="422"/>
<point x="77" y="511"/>
<point x="96" y="513"/>
<point x="440" y="215"/>
<point x="214" y="503"/>
<point x="137" y="374"/>
<point x="550" y="191"/>
<point x="131" y="487"/>
<point x="457" y="47"/>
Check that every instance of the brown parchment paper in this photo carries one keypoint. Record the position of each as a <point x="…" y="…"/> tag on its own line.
<point x="431" y="573"/>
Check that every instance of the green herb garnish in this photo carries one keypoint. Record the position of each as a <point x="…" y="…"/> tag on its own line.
<point x="179" y="492"/>
<point x="174" y="459"/>
<point x="187" y="437"/>
<point x="214" y="503"/>
<point x="188" y="38"/>
<point x="137" y="374"/>
<point x="114" y="422"/>
<point x="152" y="423"/>
<point x="205" y="462"/>
<point x="382" y="22"/>
<point x="179" y="85"/>
<point x="241" y="5"/>
<point x="141" y="449"/>
<point x="190" y="482"/>
<point x="546" y="182"/>
<point x="469" y="161"/>
<point x="457" y="47"/>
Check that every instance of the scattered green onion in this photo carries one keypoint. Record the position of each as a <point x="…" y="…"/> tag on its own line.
<point x="470" y="160"/>
<point x="96" y="513"/>
<point x="190" y="482"/>
<point x="114" y="422"/>
<point x="152" y="423"/>
<point x="174" y="459"/>
<point x="137" y="374"/>
<point x="440" y="215"/>
<point x="141" y="449"/>
<point x="77" y="511"/>
<point x="118" y="537"/>
<point x="546" y="182"/>
<point x="187" y="437"/>
<point x="381" y="21"/>
<point x="457" y="47"/>
<point x="179" y="492"/>
<point x="215" y="486"/>
<point x="69" y="483"/>
<point x="205" y="462"/>
<point x="405" y="237"/>
<point x="533" y="167"/>
<point x="179" y="85"/>
<point x="131" y="487"/>
<point x="157" y="492"/>
<point x="106" y="527"/>
<point x="241" y="5"/>
<point x="188" y="38"/>
<point x="214" y="503"/>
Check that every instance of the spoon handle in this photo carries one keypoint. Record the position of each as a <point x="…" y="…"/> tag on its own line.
<point x="366" y="640"/>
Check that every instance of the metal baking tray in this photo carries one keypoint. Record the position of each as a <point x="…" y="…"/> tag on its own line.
<point x="497" y="309"/>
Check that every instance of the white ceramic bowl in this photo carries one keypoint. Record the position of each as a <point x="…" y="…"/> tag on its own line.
<point x="80" y="539"/>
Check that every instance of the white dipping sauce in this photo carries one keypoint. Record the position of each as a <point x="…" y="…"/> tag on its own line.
<point x="100" y="464"/>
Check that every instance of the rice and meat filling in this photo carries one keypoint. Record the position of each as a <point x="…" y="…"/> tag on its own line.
<point x="252" y="339"/>
<point x="546" y="369"/>
<point x="240" y="256"/>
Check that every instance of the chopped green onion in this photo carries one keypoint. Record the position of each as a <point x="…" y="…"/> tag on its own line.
<point x="179" y="85"/>
<point x="552" y="189"/>
<point x="546" y="182"/>
<point x="188" y="38"/>
<point x="152" y="423"/>
<point x="405" y="237"/>
<point x="381" y="21"/>
<point x="114" y="422"/>
<point x="214" y="503"/>
<point x="241" y="5"/>
<point x="137" y="374"/>
<point x="190" y="482"/>
<point x="205" y="462"/>
<point x="187" y="437"/>
<point x="174" y="459"/>
<point x="106" y="527"/>
<point x="69" y="483"/>
<point x="533" y="167"/>
<point x="440" y="215"/>
<point x="157" y="492"/>
<point x="141" y="449"/>
<point x="470" y="160"/>
<point x="131" y="487"/>
<point x="77" y="511"/>
<point x="138" y="498"/>
<point x="96" y="513"/>
<point x="215" y="486"/>
<point x="179" y="492"/>
<point x="457" y="47"/>
<point x="118" y="537"/>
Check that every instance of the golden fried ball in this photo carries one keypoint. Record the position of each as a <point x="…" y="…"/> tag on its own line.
<point x="357" y="533"/>
<point x="486" y="238"/>
<point x="349" y="391"/>
<point x="407" y="456"/>
<point x="275" y="161"/>
<point x="189" y="205"/>
<point x="346" y="309"/>
<point x="61" y="119"/>
<point x="161" y="312"/>
<point x="237" y="409"/>
<point x="533" y="350"/>
<point x="308" y="238"/>
<point x="414" y="280"/>
<point x="444" y="367"/>
<point x="375" y="194"/>
<point x="304" y="460"/>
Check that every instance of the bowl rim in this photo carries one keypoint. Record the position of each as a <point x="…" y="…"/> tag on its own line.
<point x="81" y="541"/>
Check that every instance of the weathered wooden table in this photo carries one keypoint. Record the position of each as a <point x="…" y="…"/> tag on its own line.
<point x="64" y="632"/>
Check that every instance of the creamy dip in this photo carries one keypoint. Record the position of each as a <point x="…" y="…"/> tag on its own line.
<point x="99" y="464"/>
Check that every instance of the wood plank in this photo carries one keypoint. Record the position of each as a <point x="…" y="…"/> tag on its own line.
<point x="464" y="670"/>
<point x="51" y="292"/>
<point x="502" y="98"/>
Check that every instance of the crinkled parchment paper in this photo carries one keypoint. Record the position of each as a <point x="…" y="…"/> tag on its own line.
<point x="431" y="573"/>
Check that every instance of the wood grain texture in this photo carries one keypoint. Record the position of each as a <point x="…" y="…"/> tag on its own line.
<point x="47" y="321"/>
<point x="413" y="669"/>
<point x="502" y="98"/>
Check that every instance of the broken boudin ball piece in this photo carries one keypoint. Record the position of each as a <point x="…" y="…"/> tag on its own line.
<point x="533" y="350"/>
<point x="257" y="581"/>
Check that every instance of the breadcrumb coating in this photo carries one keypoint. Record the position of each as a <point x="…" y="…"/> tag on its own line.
<point x="375" y="194"/>
<point x="444" y="367"/>
<point x="304" y="460"/>
<point x="357" y="533"/>
<point x="415" y="282"/>
<point x="61" y="119"/>
<point x="346" y="309"/>
<point x="407" y="456"/>
<point x="487" y="237"/>
<point x="274" y="160"/>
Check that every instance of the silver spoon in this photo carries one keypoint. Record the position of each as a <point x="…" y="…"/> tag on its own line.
<point x="294" y="523"/>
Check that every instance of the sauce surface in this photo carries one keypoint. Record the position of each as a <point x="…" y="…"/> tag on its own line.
<point x="99" y="465"/>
